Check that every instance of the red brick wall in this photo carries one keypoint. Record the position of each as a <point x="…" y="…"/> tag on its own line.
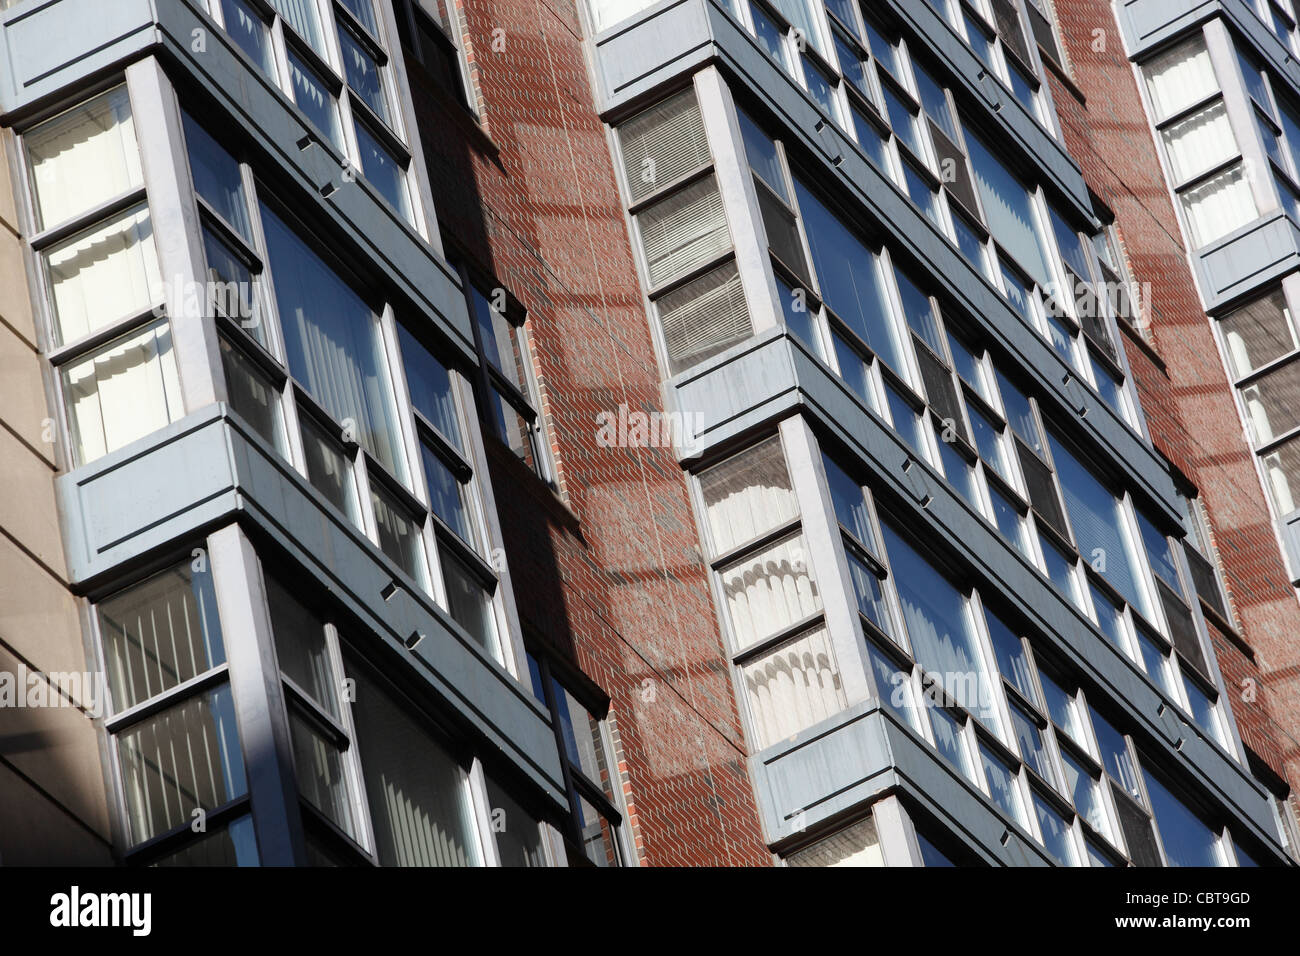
<point x="608" y="571"/>
<point x="1185" y="392"/>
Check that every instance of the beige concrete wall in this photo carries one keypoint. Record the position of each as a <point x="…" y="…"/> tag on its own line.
<point x="53" y="805"/>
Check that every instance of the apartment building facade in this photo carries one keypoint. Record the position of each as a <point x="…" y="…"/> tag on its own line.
<point x="526" y="434"/>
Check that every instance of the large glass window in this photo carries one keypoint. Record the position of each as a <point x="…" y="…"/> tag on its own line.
<point x="101" y="276"/>
<point x="171" y="716"/>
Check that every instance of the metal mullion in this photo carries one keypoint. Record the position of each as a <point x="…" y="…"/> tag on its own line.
<point x="351" y="756"/>
<point x="243" y="249"/>
<point x="756" y="544"/>
<point x="885" y="265"/>
<point x="65" y="354"/>
<point x="41" y="241"/>
<point x="304" y="701"/>
<point x="263" y="284"/>
<point x="364" y="113"/>
<point x="182" y="834"/>
<point x="757" y="649"/>
<point x="663" y="191"/>
<point x="165" y="699"/>
<point x="481" y="808"/>
<point x="314" y="817"/>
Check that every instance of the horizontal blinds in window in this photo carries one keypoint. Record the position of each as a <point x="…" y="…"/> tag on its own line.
<point x="663" y="144"/>
<point x="704" y="317"/>
<point x="683" y="231"/>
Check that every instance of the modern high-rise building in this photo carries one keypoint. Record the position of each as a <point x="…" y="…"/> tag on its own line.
<point x="702" y="432"/>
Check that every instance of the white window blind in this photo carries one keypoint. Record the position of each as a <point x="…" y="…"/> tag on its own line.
<point x="122" y="392"/>
<point x="663" y="144"/>
<point x="683" y="231"/>
<point x="1200" y="142"/>
<point x="1218" y="206"/>
<point x="856" y="845"/>
<point x="1258" y="333"/>
<point x="104" y="274"/>
<point x="84" y="157"/>
<point x="769" y="591"/>
<point x="704" y="317"/>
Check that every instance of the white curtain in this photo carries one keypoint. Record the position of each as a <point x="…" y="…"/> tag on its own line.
<point x="1180" y="77"/>
<point x="123" y="392"/>
<point x="1199" y="142"/>
<point x="84" y="157"/>
<point x="770" y="591"/>
<point x="1218" y="206"/>
<point x="793" y="687"/>
<point x="748" y="495"/>
<point x="104" y="275"/>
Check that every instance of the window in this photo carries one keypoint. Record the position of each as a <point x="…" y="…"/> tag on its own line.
<point x="332" y="342"/>
<point x="505" y="383"/>
<point x="1261" y="347"/>
<point x="161" y="644"/>
<point x="682" y="230"/>
<point x="417" y="793"/>
<point x="1187" y="841"/>
<point x="1215" y="200"/>
<point x="356" y="93"/>
<point x="780" y="645"/>
<point x="378" y="782"/>
<point x="1101" y="528"/>
<point x="595" y="826"/>
<point x="311" y="376"/>
<point x="103" y="278"/>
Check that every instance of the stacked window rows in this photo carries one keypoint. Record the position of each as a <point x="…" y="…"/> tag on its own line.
<point x="310" y="369"/>
<point x="1027" y="742"/>
<point x="332" y="61"/>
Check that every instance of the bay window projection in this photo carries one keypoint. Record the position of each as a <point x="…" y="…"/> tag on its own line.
<point x="307" y="369"/>
<point x="590" y="770"/>
<point x="1203" y="156"/>
<point x="772" y="603"/>
<point x="1059" y="770"/>
<point x="171" y="723"/>
<point x="1262" y="348"/>
<point x="94" y="243"/>
<point x="379" y="783"/>
<point x="345" y="89"/>
<point x="691" y="272"/>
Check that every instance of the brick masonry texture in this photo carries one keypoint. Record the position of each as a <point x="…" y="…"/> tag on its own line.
<point x="606" y="569"/>
<point x="1182" y="383"/>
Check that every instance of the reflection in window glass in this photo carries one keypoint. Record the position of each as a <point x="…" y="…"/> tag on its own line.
<point x="181" y="760"/>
